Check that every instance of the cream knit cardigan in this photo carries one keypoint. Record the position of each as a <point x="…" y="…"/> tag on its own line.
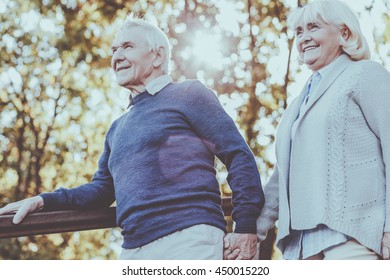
<point x="337" y="170"/>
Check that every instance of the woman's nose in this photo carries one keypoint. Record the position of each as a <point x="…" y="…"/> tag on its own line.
<point x="306" y="37"/>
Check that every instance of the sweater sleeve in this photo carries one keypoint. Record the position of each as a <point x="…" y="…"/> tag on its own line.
<point x="214" y="126"/>
<point x="96" y="194"/>
<point x="374" y="101"/>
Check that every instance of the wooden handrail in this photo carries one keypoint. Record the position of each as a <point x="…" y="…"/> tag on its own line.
<point x="69" y="220"/>
<point x="77" y="220"/>
<point x="57" y="222"/>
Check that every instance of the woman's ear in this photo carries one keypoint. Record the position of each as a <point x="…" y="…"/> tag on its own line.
<point x="345" y="33"/>
<point x="160" y="57"/>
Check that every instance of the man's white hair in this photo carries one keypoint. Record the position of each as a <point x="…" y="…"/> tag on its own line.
<point x="338" y="14"/>
<point x="154" y="36"/>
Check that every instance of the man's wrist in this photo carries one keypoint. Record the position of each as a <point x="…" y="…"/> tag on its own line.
<point x="246" y="229"/>
<point x="39" y="202"/>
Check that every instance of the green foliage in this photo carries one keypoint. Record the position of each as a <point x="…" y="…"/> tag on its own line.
<point x="57" y="102"/>
<point x="81" y="245"/>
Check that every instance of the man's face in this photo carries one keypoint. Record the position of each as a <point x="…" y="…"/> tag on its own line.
<point x="132" y="58"/>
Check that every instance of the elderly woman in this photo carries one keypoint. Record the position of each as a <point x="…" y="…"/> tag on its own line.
<point x="330" y="188"/>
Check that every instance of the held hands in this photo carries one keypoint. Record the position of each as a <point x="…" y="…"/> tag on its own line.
<point x="239" y="246"/>
<point x="22" y="208"/>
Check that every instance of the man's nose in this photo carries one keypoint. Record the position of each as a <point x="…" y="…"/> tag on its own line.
<point x="116" y="57"/>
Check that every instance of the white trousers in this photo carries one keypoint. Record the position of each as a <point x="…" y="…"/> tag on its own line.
<point x="350" y="250"/>
<point x="200" y="242"/>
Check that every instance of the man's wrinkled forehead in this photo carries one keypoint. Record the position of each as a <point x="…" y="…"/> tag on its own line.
<point x="131" y="34"/>
<point x="120" y="37"/>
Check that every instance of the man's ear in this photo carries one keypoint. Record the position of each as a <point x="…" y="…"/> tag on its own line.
<point x="160" y="57"/>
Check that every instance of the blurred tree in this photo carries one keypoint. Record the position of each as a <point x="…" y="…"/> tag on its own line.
<point x="58" y="95"/>
<point x="56" y="103"/>
<point x="229" y="46"/>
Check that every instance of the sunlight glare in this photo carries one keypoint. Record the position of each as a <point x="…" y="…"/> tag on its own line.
<point x="207" y="49"/>
<point x="230" y="15"/>
<point x="3" y="7"/>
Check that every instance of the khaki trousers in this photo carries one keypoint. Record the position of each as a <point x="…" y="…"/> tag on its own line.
<point x="350" y="250"/>
<point x="200" y="242"/>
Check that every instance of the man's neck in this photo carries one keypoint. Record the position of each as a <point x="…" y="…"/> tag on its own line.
<point x="137" y="89"/>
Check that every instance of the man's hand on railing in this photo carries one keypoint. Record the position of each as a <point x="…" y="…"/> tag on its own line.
<point x="22" y="208"/>
<point x="240" y="246"/>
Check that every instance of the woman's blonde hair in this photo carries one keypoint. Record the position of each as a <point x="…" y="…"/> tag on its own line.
<point x="338" y="14"/>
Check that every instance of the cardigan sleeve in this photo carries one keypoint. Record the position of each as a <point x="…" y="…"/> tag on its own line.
<point x="269" y="213"/>
<point x="374" y="101"/>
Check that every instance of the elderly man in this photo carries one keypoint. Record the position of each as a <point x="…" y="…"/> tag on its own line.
<point x="158" y="162"/>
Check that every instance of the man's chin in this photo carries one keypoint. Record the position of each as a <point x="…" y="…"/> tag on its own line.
<point x="124" y="84"/>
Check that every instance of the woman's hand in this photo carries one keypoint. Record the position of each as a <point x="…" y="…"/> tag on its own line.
<point x="386" y="246"/>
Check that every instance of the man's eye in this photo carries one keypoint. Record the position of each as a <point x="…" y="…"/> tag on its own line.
<point x="113" y="51"/>
<point x="127" y="46"/>
<point x="298" y="33"/>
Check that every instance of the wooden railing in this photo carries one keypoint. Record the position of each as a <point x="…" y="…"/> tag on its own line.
<point x="77" y="220"/>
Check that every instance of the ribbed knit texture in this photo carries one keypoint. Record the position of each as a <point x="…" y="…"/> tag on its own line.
<point x="158" y="162"/>
<point x="340" y="162"/>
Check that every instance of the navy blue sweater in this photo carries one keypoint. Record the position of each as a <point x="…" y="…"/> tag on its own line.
<point x="158" y="164"/>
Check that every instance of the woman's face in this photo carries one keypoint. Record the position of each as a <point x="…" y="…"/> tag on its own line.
<point x="317" y="44"/>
